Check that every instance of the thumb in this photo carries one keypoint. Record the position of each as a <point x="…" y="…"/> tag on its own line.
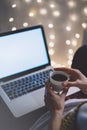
<point x="63" y="95"/>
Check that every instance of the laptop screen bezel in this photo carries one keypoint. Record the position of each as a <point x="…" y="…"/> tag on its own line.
<point x="33" y="69"/>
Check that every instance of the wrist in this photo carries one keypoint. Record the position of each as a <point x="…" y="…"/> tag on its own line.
<point x="56" y="120"/>
<point x="57" y="113"/>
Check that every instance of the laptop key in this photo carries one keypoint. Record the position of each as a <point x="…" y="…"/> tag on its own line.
<point x="25" y="85"/>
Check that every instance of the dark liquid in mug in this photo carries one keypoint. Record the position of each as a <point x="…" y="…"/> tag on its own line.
<point x="59" y="77"/>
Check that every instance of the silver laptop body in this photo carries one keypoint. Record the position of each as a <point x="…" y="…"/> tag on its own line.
<point x="24" y="60"/>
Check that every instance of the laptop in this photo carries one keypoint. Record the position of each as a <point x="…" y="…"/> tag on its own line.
<point x="24" y="69"/>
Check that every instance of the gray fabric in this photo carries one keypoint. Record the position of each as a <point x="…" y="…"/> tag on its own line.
<point x="43" y="122"/>
<point x="82" y="117"/>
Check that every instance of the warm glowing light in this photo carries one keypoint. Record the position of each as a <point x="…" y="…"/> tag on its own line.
<point x="52" y="5"/>
<point x="85" y="10"/>
<point x="14" y="28"/>
<point x="68" y="28"/>
<point x="51" y="44"/>
<point x="73" y="17"/>
<point x="27" y="1"/>
<point x="70" y="57"/>
<point x="74" y="42"/>
<point x="14" y="5"/>
<point x="51" y="51"/>
<point x="11" y="19"/>
<point x="70" y="51"/>
<point x="25" y="24"/>
<point x="50" y="25"/>
<point x="56" y="13"/>
<point x="59" y="65"/>
<point x="31" y="14"/>
<point x="84" y="25"/>
<point x="69" y="62"/>
<point x="77" y="35"/>
<point x="71" y="4"/>
<point x="52" y="36"/>
<point x="57" y="18"/>
<point x="39" y="1"/>
<point x="68" y="42"/>
<point x="43" y="11"/>
<point x="53" y="63"/>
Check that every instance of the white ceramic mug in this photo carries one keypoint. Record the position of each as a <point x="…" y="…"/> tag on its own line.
<point x="57" y="78"/>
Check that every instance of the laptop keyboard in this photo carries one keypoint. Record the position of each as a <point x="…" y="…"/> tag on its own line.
<point x="25" y="85"/>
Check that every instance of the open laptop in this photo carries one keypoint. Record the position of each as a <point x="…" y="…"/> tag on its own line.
<point x="24" y="69"/>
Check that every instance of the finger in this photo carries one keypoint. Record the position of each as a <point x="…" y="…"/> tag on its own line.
<point x="76" y="83"/>
<point x="48" y="87"/>
<point x="63" y="95"/>
<point x="47" y="100"/>
<point x="69" y="84"/>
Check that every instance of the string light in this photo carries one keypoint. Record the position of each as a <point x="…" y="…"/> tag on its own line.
<point x="70" y="51"/>
<point x="27" y="1"/>
<point x="14" y="5"/>
<point x="56" y="13"/>
<point x="85" y="10"/>
<point x="52" y="36"/>
<point x="70" y="57"/>
<point x="84" y="25"/>
<point x="69" y="62"/>
<point x="53" y="63"/>
<point x="31" y="14"/>
<point x="51" y="10"/>
<point x="77" y="35"/>
<point x="50" y="25"/>
<point x="25" y="24"/>
<point x="39" y="1"/>
<point x="11" y="19"/>
<point x="68" y="42"/>
<point x="68" y="28"/>
<point x="51" y="51"/>
<point x="14" y="28"/>
<point x="73" y="17"/>
<point x="74" y="42"/>
<point x="43" y="11"/>
<point x="71" y="4"/>
<point x="52" y="5"/>
<point x="59" y="65"/>
<point x="51" y="44"/>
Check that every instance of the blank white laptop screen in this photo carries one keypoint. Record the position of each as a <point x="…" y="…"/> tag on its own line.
<point x="19" y="52"/>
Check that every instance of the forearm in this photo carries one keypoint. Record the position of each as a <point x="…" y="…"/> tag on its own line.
<point x="56" y="120"/>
